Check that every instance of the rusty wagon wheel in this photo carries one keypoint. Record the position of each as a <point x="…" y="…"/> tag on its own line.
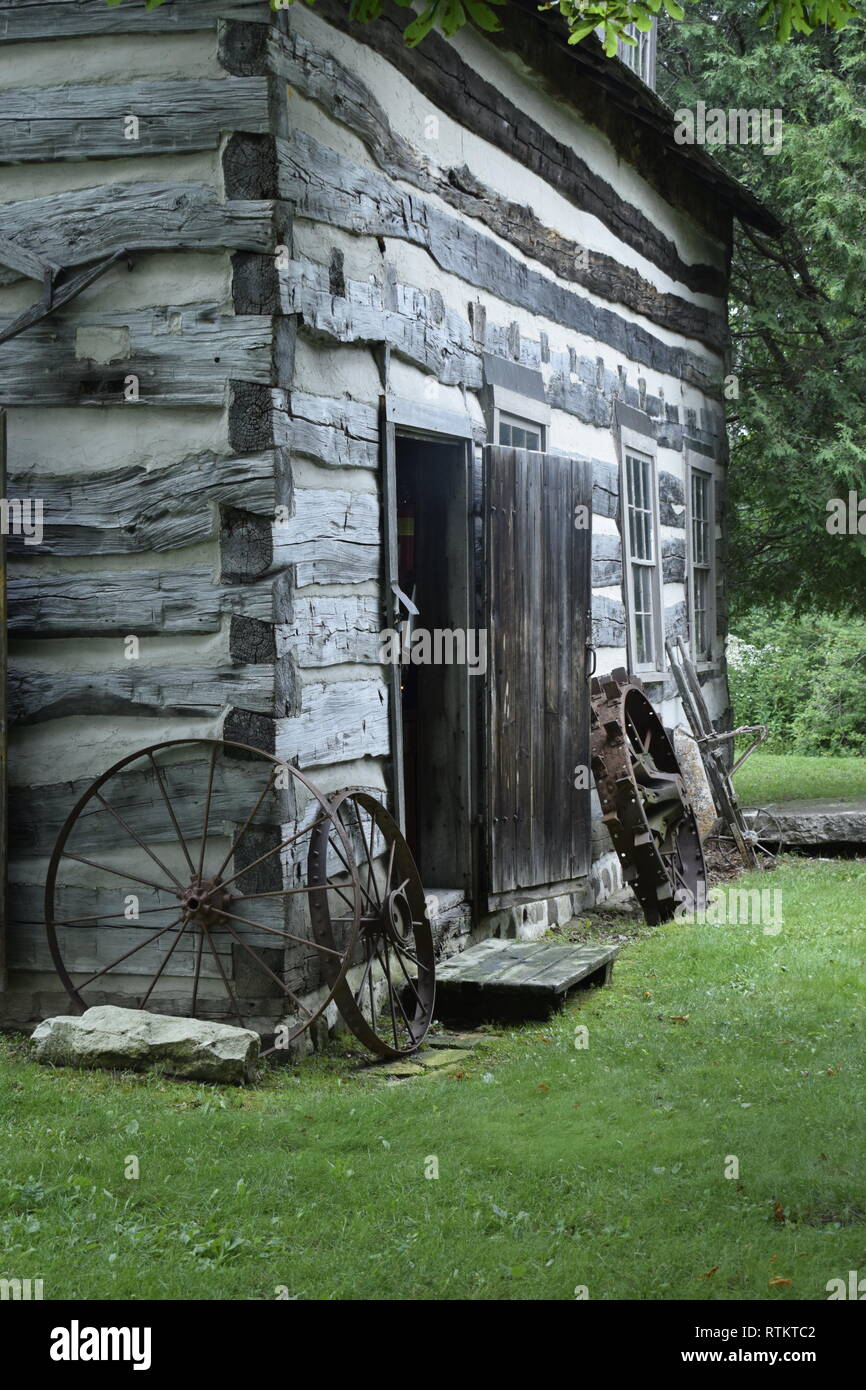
<point x="643" y="798"/>
<point x="387" y="999"/>
<point x="181" y="882"/>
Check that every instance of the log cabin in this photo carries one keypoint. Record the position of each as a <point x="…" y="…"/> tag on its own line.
<point x="331" y="338"/>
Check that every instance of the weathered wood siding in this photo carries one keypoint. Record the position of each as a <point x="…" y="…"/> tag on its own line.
<point x="144" y="417"/>
<point x="296" y="194"/>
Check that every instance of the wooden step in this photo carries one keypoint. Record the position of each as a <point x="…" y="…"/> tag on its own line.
<point x="518" y="979"/>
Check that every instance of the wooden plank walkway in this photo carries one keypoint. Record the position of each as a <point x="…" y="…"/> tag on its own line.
<point x="517" y="979"/>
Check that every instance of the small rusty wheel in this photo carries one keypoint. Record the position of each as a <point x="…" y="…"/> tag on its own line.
<point x="181" y="882"/>
<point x="387" y="996"/>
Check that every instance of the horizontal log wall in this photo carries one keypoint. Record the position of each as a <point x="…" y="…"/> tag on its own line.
<point x="427" y="245"/>
<point x="259" y="545"/>
<point x="159" y="481"/>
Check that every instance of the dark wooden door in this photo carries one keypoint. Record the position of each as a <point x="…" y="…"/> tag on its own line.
<point x="537" y="515"/>
<point x="4" y="829"/>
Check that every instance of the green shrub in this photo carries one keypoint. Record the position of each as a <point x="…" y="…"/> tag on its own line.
<point x="802" y="675"/>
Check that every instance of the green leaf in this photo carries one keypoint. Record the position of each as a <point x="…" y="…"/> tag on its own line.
<point x="482" y="16"/>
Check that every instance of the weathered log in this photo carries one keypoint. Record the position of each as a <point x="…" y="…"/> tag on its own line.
<point x="337" y="433"/>
<point x="178" y="355"/>
<point x="331" y="629"/>
<point x="21" y="20"/>
<point x="84" y="225"/>
<point x="118" y="603"/>
<point x="420" y="328"/>
<point x="37" y="696"/>
<point x="38" y="812"/>
<point x="606" y="560"/>
<point x="133" y="509"/>
<point x="608" y="622"/>
<point x="605" y="489"/>
<point x="416" y="325"/>
<point x="330" y="533"/>
<point x="326" y="187"/>
<point x="320" y="77"/>
<point x="440" y="74"/>
<point x="336" y="723"/>
<point x="148" y="116"/>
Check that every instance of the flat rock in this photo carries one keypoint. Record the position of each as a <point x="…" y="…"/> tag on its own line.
<point x="133" y="1039"/>
<point x="398" y="1068"/>
<point x="814" y="822"/>
<point x="442" y="1057"/>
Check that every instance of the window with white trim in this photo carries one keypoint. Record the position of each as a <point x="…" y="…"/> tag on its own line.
<point x="642" y="560"/>
<point x="517" y="433"/>
<point x="701" y="537"/>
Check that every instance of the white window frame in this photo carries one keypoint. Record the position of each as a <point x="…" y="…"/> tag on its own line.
<point x="643" y="447"/>
<point x="505" y="417"/>
<point x="516" y="409"/>
<point x="699" y="464"/>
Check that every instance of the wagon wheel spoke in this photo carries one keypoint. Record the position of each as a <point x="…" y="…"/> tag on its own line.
<point x="263" y="966"/>
<point x="284" y="844"/>
<point x="118" y="873"/>
<point x="108" y="916"/>
<point x="226" y="981"/>
<point x="370" y="901"/>
<point x="246" y="825"/>
<point x="207" y="804"/>
<point x="371" y="877"/>
<point x="163" y="963"/>
<point x="198" y="954"/>
<point x="275" y="931"/>
<point x="127" y="954"/>
<point x="367" y="968"/>
<point x="161" y="784"/>
<point x="148" y="851"/>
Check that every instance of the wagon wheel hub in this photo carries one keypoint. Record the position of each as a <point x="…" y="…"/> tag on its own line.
<point x="397" y="916"/>
<point x="204" y="902"/>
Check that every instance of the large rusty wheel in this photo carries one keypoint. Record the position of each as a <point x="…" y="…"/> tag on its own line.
<point x="181" y="882"/>
<point x="387" y="996"/>
<point x="643" y="798"/>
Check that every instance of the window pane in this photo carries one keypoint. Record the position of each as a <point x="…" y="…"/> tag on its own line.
<point x="700" y="518"/>
<point x="642" y="577"/>
<point x="701" y="592"/>
<point x="520" y="434"/>
<point x="639" y="507"/>
<point x="640" y="510"/>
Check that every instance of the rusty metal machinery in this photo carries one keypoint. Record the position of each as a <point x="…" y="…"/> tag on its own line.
<point x="644" y="802"/>
<point x="710" y="743"/>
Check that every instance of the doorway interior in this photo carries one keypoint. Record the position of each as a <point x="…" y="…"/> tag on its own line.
<point x="438" y="695"/>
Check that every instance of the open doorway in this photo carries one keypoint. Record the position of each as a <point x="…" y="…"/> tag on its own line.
<point x="441" y="651"/>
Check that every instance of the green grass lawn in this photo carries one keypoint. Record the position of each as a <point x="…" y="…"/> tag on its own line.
<point x="558" y="1166"/>
<point x="767" y="777"/>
